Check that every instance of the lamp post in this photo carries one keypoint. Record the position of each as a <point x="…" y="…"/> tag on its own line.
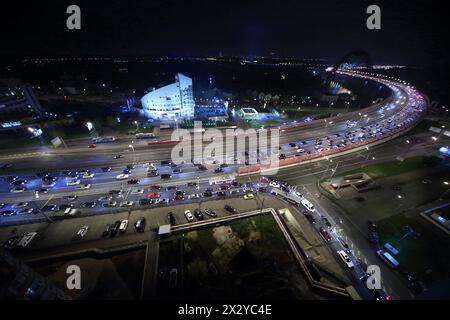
<point x="91" y="128"/>
<point x="134" y="154"/>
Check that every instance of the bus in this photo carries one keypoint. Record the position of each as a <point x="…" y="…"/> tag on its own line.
<point x="388" y="259"/>
<point x="103" y="139"/>
<point x="145" y="135"/>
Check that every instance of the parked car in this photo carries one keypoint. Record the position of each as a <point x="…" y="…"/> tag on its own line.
<point x="210" y="212"/>
<point x="198" y="214"/>
<point x="82" y="232"/>
<point x="230" y="209"/>
<point x="189" y="216"/>
<point x="171" y="218"/>
<point x="140" y="224"/>
<point x="123" y="226"/>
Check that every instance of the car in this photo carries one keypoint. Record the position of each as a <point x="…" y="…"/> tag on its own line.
<point x="92" y="146"/>
<point x="176" y="170"/>
<point x="230" y="209"/>
<point x="12" y="178"/>
<point x="171" y="218"/>
<point x="42" y="174"/>
<point x="153" y="195"/>
<point x="17" y="189"/>
<point x="324" y="233"/>
<point x="88" y="204"/>
<point x="208" y="193"/>
<point x="218" y="170"/>
<point x="308" y="205"/>
<point x="153" y="173"/>
<point x="71" y="197"/>
<point x="140" y="224"/>
<point x="155" y="187"/>
<point x="106" y="198"/>
<point x="127" y="203"/>
<point x="49" y="208"/>
<point x="65" y="206"/>
<point x="309" y="217"/>
<point x="119" y="156"/>
<point x="115" y="228"/>
<point x="7" y="213"/>
<point x="166" y="176"/>
<point x="88" y="175"/>
<point x="12" y="242"/>
<point x="19" y="183"/>
<point x="344" y="256"/>
<point x="109" y="204"/>
<point x="48" y="184"/>
<point x="274" y="184"/>
<point x="198" y="214"/>
<point x="137" y="191"/>
<point x="26" y="239"/>
<point x="371" y="226"/>
<point x="73" y="182"/>
<point x="210" y="212"/>
<point x="192" y="184"/>
<point x="170" y="188"/>
<point x="42" y="190"/>
<point x="27" y="211"/>
<point x="327" y="222"/>
<point x="106" y="169"/>
<point x="145" y="202"/>
<point x="221" y="193"/>
<point x="107" y="230"/>
<point x="80" y="172"/>
<point x="249" y="196"/>
<point x="122" y="176"/>
<point x="133" y="181"/>
<point x="195" y="196"/>
<point x="82" y="232"/>
<point x="20" y="204"/>
<point x="189" y="216"/>
<point x="179" y="197"/>
<point x="123" y="226"/>
<point x="126" y="171"/>
<point x="131" y="166"/>
<point x="84" y="186"/>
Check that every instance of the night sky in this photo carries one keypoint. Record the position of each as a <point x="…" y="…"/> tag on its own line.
<point x="413" y="32"/>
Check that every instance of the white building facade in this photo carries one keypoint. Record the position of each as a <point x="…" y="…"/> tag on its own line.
<point x="171" y="102"/>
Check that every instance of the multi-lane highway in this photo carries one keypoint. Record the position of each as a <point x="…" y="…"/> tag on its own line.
<point x="42" y="184"/>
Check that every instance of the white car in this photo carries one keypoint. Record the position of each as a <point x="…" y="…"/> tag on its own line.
<point x="88" y="175"/>
<point x="26" y="239"/>
<point x="127" y="204"/>
<point x="195" y="196"/>
<point x="189" y="216"/>
<point x="308" y="205"/>
<point x="83" y="186"/>
<point x="82" y="232"/>
<point x="137" y="191"/>
<point x="18" y="189"/>
<point x="122" y="176"/>
<point x="123" y="226"/>
<point x="344" y="256"/>
<point x="73" y="182"/>
<point x="300" y="150"/>
<point x="274" y="184"/>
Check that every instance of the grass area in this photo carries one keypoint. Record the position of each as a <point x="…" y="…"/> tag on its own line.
<point x="424" y="252"/>
<point x="424" y="126"/>
<point x="392" y="168"/>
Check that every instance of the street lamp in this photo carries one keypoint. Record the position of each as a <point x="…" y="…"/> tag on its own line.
<point x="134" y="154"/>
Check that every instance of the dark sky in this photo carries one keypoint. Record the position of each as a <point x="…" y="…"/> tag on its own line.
<point x="413" y="32"/>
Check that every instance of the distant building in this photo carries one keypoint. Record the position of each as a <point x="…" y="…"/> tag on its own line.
<point x="248" y="113"/>
<point x="174" y="101"/>
<point x="17" y="101"/>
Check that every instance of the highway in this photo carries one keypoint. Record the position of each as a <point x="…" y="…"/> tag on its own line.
<point x="402" y="109"/>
